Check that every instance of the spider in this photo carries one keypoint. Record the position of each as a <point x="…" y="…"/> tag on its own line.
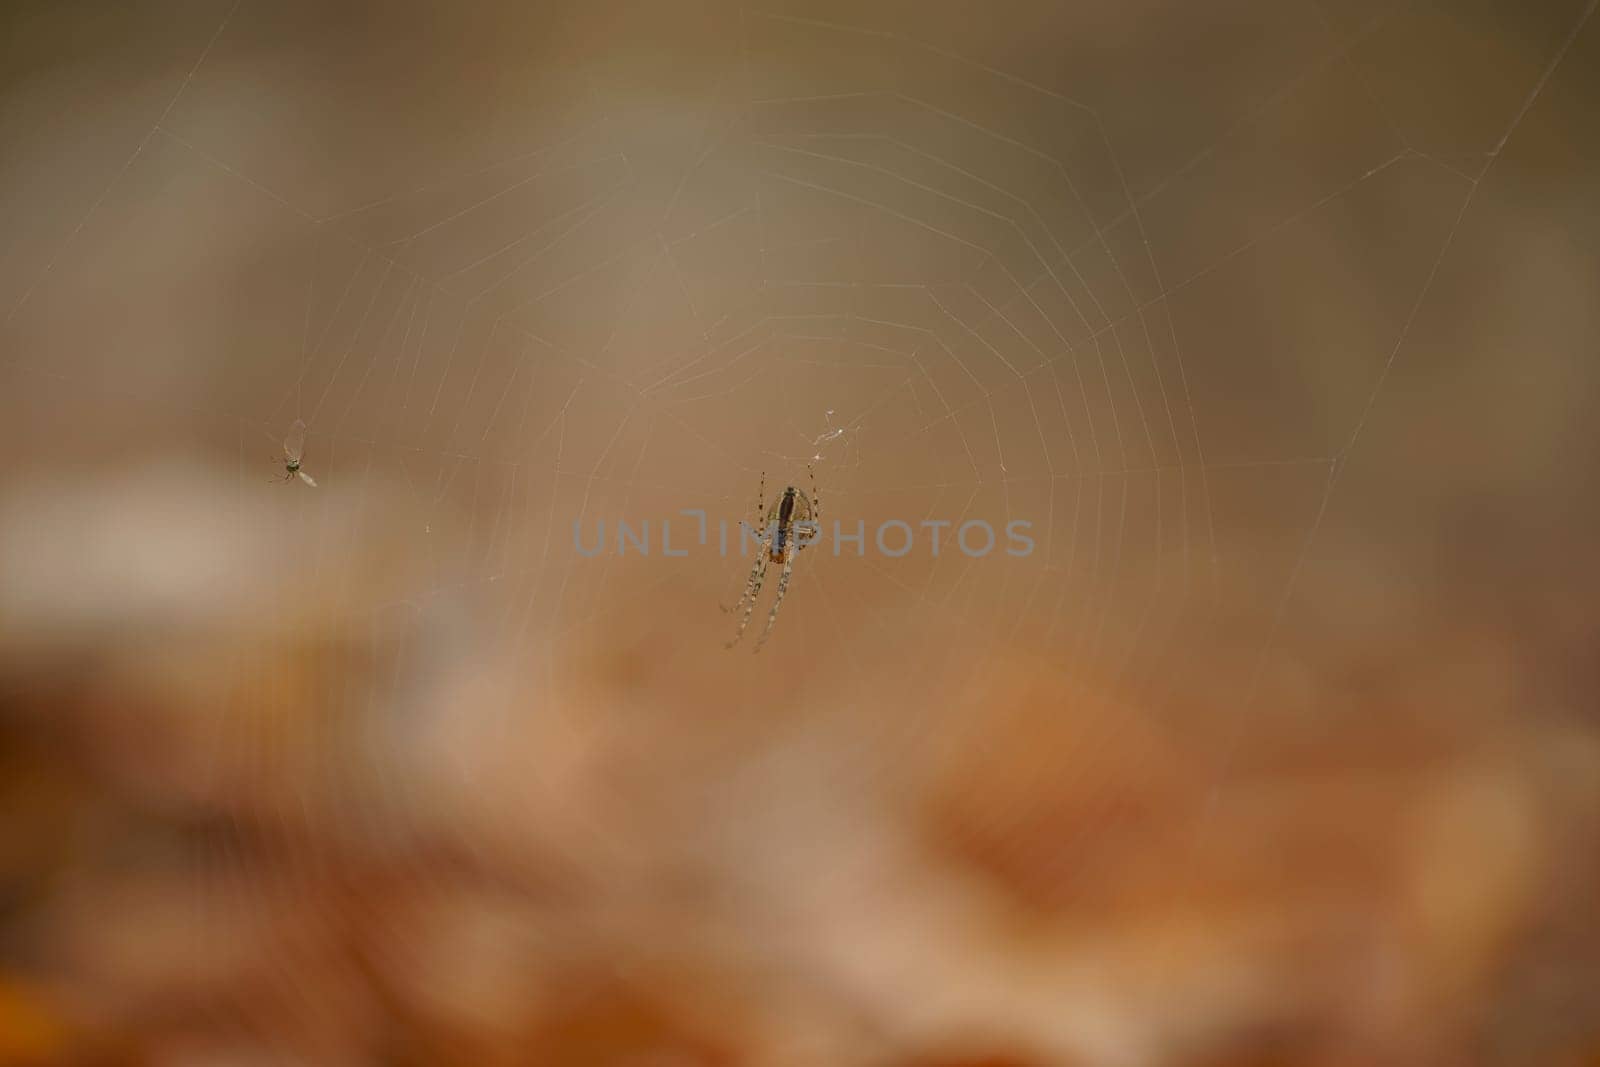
<point x="779" y="544"/>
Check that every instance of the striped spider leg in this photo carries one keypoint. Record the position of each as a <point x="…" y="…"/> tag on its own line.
<point x="761" y="496"/>
<point x="752" y="589"/>
<point x="758" y="573"/>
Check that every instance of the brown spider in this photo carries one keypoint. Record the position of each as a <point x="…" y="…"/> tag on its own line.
<point x="779" y="543"/>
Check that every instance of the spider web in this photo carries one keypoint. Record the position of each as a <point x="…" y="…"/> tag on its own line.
<point x="999" y="271"/>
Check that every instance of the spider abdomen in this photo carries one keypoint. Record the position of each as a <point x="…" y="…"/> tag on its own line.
<point x="785" y="524"/>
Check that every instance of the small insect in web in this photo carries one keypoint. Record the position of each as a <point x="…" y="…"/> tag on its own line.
<point x="792" y="514"/>
<point x="836" y="442"/>
<point x="832" y="433"/>
<point x="293" y="447"/>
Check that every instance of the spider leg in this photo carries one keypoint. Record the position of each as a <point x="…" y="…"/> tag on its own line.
<point x="783" y="587"/>
<point x="816" y="501"/>
<point x="763" y="544"/>
<point x="813" y="521"/>
<point x="745" y="593"/>
<point x="752" y="589"/>
<point x="761" y="510"/>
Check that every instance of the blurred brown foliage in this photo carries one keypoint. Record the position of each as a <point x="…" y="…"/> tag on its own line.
<point x="245" y="833"/>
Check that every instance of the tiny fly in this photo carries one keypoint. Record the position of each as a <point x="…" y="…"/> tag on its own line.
<point x="293" y="446"/>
